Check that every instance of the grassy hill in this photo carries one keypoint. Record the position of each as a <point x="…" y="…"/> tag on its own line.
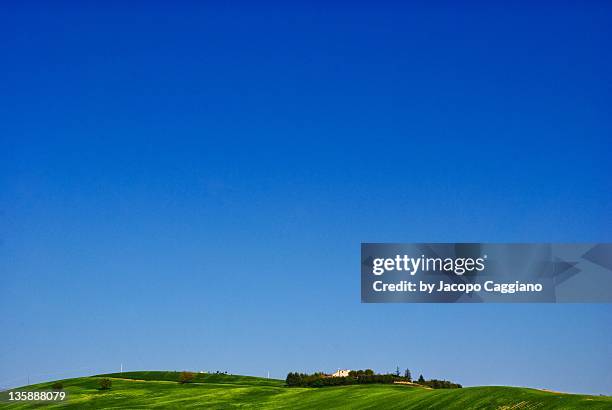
<point x="159" y="389"/>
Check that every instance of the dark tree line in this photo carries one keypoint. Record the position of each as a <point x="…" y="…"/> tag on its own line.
<point x="359" y="373"/>
<point x="437" y="384"/>
<point x="367" y="376"/>
<point x="322" y="380"/>
<point x="440" y="384"/>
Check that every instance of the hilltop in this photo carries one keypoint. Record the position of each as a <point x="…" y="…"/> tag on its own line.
<point x="160" y="389"/>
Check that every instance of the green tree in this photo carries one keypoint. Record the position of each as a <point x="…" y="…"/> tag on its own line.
<point x="105" y="384"/>
<point x="186" y="377"/>
<point x="407" y="375"/>
<point x="421" y="379"/>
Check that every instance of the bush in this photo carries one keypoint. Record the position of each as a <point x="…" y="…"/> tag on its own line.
<point x="105" y="384"/>
<point x="186" y="377"/>
<point x="57" y="386"/>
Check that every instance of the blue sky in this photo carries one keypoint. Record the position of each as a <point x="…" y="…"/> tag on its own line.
<point x="188" y="187"/>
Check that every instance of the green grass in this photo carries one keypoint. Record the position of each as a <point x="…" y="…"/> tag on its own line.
<point x="138" y="390"/>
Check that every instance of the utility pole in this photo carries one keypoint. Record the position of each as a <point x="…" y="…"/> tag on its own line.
<point x="121" y="368"/>
<point x="268" y="374"/>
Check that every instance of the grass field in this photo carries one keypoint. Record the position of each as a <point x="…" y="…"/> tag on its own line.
<point x="136" y="390"/>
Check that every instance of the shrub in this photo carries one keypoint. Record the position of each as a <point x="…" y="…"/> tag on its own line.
<point x="57" y="386"/>
<point x="105" y="384"/>
<point x="186" y="377"/>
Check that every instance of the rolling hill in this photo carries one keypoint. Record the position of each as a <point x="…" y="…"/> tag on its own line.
<point x="153" y="389"/>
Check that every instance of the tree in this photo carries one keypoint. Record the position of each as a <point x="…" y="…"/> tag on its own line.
<point x="369" y="372"/>
<point x="186" y="377"/>
<point x="407" y="375"/>
<point x="397" y="371"/>
<point x="294" y="379"/>
<point x="421" y="379"/>
<point x="105" y="384"/>
<point x="57" y="386"/>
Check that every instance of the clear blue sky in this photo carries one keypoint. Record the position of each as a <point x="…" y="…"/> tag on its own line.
<point x="188" y="187"/>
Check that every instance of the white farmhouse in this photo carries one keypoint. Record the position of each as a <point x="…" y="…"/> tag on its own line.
<point x="341" y="373"/>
